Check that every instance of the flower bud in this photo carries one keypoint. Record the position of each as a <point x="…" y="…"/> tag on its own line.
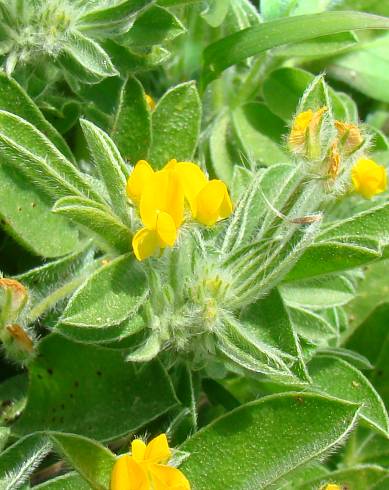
<point x="334" y="160"/>
<point x="350" y="136"/>
<point x="13" y="298"/>
<point x="304" y="137"/>
<point x="21" y="338"/>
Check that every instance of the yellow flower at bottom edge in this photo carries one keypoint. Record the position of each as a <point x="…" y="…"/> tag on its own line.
<point x="332" y="486"/>
<point x="209" y="200"/>
<point x="368" y="177"/>
<point x="146" y="469"/>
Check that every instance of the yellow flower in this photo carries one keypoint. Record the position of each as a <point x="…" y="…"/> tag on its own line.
<point x="161" y="205"/>
<point x="368" y="177"/>
<point x="209" y="200"/>
<point x="146" y="469"/>
<point x="305" y="123"/>
<point x="332" y="486"/>
<point x="161" y="195"/>
<point x="350" y="136"/>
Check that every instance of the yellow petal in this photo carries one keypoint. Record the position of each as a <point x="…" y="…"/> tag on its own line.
<point x="154" y="199"/>
<point x="175" y="199"/>
<point x="138" y="449"/>
<point x="213" y="203"/>
<point x="158" y="450"/>
<point x="138" y="179"/>
<point x="226" y="207"/>
<point x="128" y="475"/>
<point x="299" y="129"/>
<point x="193" y="180"/>
<point x="164" y="192"/>
<point x="144" y="243"/>
<point x="166" y="230"/>
<point x="168" y="478"/>
<point x="369" y="178"/>
<point x="171" y="164"/>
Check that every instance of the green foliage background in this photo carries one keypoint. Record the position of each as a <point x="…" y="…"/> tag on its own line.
<point x="260" y="345"/>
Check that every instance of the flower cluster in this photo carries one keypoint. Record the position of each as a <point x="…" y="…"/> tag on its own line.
<point x="368" y="177"/>
<point x="162" y="197"/>
<point x="144" y="469"/>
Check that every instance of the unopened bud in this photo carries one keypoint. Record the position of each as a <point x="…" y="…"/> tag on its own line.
<point x="21" y="338"/>
<point x="304" y="137"/>
<point x="13" y="299"/>
<point x="334" y="160"/>
<point x="350" y="136"/>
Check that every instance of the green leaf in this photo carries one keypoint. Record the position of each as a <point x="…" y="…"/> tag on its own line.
<point x="20" y="460"/>
<point x="111" y="295"/>
<point x="91" y="460"/>
<point x="370" y="223"/>
<point x="320" y="47"/>
<point x="28" y="217"/>
<point x="332" y="256"/>
<point x="13" y="396"/>
<point x="154" y="26"/>
<point x="334" y="377"/>
<point x="110" y="19"/>
<point x="219" y="148"/>
<point x="371" y="292"/>
<point x="244" y="345"/>
<point x="365" y="68"/>
<point x="284" y="88"/>
<point x="131" y="327"/>
<point x="371" y="339"/>
<point x="85" y="60"/>
<point x="274" y="9"/>
<point x="41" y="280"/>
<point x="70" y="481"/>
<point x="365" y="477"/>
<point x="311" y="326"/>
<point x="110" y="167"/>
<point x="276" y="331"/>
<point x="268" y="434"/>
<point x="15" y="100"/>
<point x="131" y="130"/>
<point x="249" y="42"/>
<point x="68" y="379"/>
<point x="216" y="12"/>
<point x="130" y="62"/>
<point x="26" y="148"/>
<point x="175" y="125"/>
<point x="319" y="293"/>
<point x="96" y="219"/>
<point x="260" y="133"/>
<point x="4" y="434"/>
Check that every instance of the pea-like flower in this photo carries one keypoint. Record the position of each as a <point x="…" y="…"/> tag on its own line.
<point x="161" y="197"/>
<point x="146" y="469"/>
<point x="209" y="200"/>
<point x="368" y="178"/>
